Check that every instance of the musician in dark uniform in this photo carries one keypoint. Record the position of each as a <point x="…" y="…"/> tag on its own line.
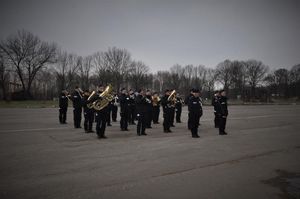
<point x="63" y="107"/>
<point x="114" y="108"/>
<point x="141" y="111"/>
<point x="195" y="112"/>
<point x="186" y="102"/>
<point x="88" y="113"/>
<point x="222" y="112"/>
<point x="124" y="112"/>
<point x="101" y="116"/>
<point x="167" y="111"/>
<point x="214" y="103"/>
<point x="132" y="114"/>
<point x="149" y="114"/>
<point x="77" y="105"/>
<point x="108" y="115"/>
<point x="178" y="108"/>
<point x="172" y="116"/>
<point x="156" y="107"/>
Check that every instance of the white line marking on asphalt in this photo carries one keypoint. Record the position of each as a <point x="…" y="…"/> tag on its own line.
<point x="24" y="130"/>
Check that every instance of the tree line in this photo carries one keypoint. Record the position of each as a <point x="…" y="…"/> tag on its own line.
<point x="34" y="69"/>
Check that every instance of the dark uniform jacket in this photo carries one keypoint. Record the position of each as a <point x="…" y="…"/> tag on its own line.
<point x="221" y="107"/>
<point x="124" y="103"/>
<point x="178" y="104"/>
<point x="186" y="100"/>
<point x="195" y="106"/>
<point x="165" y="103"/>
<point x="76" y="98"/>
<point x="141" y="104"/>
<point x="215" y="103"/>
<point x="63" y="101"/>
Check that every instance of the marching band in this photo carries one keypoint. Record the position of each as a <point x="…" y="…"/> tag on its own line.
<point x="143" y="106"/>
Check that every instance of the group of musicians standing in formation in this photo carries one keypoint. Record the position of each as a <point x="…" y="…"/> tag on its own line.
<point x="143" y="106"/>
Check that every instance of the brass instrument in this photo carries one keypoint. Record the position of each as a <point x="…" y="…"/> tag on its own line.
<point x="155" y="100"/>
<point x="172" y="98"/>
<point x="106" y="97"/>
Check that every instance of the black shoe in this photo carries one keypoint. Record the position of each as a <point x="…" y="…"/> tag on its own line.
<point x="223" y="133"/>
<point x="91" y="131"/>
<point x="169" y="131"/>
<point x="103" y="136"/>
<point x="144" y="134"/>
<point x="114" y="120"/>
<point x="172" y="125"/>
<point x="126" y="129"/>
<point x="108" y="124"/>
<point x="195" y="136"/>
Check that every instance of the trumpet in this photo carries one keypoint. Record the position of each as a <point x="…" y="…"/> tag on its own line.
<point x="172" y="98"/>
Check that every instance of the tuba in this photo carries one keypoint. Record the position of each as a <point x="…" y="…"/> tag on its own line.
<point x="172" y="98"/>
<point x="101" y="103"/>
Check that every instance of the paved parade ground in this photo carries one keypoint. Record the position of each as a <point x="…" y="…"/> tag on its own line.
<point x="41" y="158"/>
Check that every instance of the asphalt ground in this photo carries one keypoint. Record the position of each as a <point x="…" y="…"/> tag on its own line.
<point x="41" y="158"/>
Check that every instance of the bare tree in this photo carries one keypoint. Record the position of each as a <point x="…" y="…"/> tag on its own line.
<point x="66" y="70"/>
<point x="223" y="74"/>
<point x="85" y="67"/>
<point x="28" y="55"/>
<point x="4" y="76"/>
<point x="256" y="72"/>
<point x="138" y="73"/>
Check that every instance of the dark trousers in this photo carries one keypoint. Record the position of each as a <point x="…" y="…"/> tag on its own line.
<point x="172" y="116"/>
<point x="167" y="120"/>
<point x="108" y="115"/>
<point x="124" y="120"/>
<point x="77" y="117"/>
<point x="131" y="115"/>
<point x="217" y="118"/>
<point x="222" y="124"/>
<point x="62" y="115"/>
<point x="88" y="120"/>
<point x="141" y="125"/>
<point x="194" y="119"/>
<point x="189" y="121"/>
<point x="155" y="114"/>
<point x="114" y="111"/>
<point x="149" y="118"/>
<point x="178" y="115"/>
<point x="100" y="123"/>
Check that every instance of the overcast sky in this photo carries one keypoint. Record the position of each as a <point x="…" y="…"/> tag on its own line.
<point x="162" y="33"/>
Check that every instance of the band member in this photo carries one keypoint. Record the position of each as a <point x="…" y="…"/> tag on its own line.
<point x="132" y="114"/>
<point x="114" y="108"/>
<point x="88" y="113"/>
<point x="172" y="116"/>
<point x="108" y="115"/>
<point x="77" y="105"/>
<point x="167" y="109"/>
<point x="63" y="107"/>
<point x="222" y="112"/>
<point x="195" y="112"/>
<point x="178" y="108"/>
<point x="101" y="116"/>
<point x="186" y="101"/>
<point x="141" y="111"/>
<point x="149" y="109"/>
<point x="124" y="113"/>
<point x="156" y="107"/>
<point x="214" y="102"/>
